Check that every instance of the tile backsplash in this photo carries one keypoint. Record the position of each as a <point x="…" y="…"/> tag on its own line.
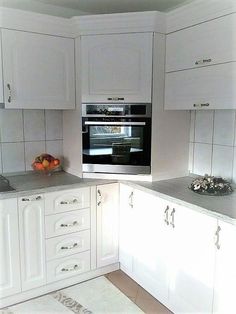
<point x="24" y="134"/>
<point x="213" y="143"/>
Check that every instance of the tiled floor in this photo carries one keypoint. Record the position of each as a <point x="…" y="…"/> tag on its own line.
<point x="137" y="294"/>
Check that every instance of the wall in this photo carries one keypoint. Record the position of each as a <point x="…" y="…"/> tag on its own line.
<point x="213" y="143"/>
<point x="24" y="134"/>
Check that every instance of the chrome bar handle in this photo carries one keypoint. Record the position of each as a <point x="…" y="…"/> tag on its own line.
<point x="217" y="235"/>
<point x="99" y="198"/>
<point x="166" y="215"/>
<point x="74" y="201"/>
<point x="73" y="224"/>
<point x="201" y="105"/>
<point x="9" y="93"/>
<point x="131" y="199"/>
<point x="69" y="247"/>
<point x="75" y="267"/>
<point x="203" y="61"/>
<point x="172" y="215"/>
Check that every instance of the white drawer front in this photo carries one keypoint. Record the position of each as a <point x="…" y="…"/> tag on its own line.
<point x="67" y="222"/>
<point x="68" y="267"/>
<point x="67" y="245"/>
<point x="57" y="202"/>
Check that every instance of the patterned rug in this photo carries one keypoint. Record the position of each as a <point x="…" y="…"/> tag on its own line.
<point x="96" y="296"/>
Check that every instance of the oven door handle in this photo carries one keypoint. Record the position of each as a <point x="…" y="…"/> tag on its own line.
<point x="113" y="123"/>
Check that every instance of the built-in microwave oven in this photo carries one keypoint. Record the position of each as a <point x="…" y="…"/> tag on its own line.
<point x="116" y="138"/>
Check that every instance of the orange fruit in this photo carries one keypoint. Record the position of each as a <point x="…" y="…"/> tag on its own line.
<point x="56" y="162"/>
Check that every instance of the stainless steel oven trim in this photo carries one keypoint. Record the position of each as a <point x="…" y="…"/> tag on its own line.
<point x="119" y="169"/>
<point x="114" y="123"/>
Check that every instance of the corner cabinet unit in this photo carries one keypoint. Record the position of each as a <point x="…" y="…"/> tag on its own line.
<point x="9" y="249"/>
<point x="38" y="71"/>
<point x="117" y="68"/>
<point x="107" y="224"/>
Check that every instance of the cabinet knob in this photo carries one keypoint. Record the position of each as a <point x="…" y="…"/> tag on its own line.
<point x="203" y="61"/>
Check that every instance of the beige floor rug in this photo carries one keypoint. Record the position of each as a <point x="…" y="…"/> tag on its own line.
<point x="96" y="296"/>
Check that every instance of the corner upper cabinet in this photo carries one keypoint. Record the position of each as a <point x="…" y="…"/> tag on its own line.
<point x="38" y="71"/>
<point x="117" y="67"/>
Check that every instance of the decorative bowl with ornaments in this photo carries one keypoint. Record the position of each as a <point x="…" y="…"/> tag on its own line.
<point x="210" y="185"/>
<point x="46" y="164"/>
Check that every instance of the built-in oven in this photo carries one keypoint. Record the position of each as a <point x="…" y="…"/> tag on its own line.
<point x="116" y="138"/>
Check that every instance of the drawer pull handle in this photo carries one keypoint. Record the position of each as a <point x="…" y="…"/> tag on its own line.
<point x="99" y="198"/>
<point x="74" y="201"/>
<point x="116" y="98"/>
<point x="203" y="61"/>
<point x="69" y="247"/>
<point x="166" y="215"/>
<point x="37" y="198"/>
<point x="217" y="234"/>
<point x="131" y="203"/>
<point x="73" y="224"/>
<point x="172" y="215"/>
<point x="201" y="105"/>
<point x="75" y="267"/>
<point x="9" y="92"/>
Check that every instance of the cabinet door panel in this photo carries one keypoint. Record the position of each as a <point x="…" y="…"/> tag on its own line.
<point x="38" y="71"/>
<point x="212" y="41"/>
<point x="225" y="274"/>
<point x="193" y="260"/>
<point x="213" y="87"/>
<point x="118" y="65"/>
<point x="32" y="243"/>
<point x="107" y="224"/>
<point x="9" y="249"/>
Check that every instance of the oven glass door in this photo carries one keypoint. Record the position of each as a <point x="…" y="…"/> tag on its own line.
<point x="117" y="142"/>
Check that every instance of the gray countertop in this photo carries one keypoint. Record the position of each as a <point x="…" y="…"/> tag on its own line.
<point x="176" y="190"/>
<point x="173" y="190"/>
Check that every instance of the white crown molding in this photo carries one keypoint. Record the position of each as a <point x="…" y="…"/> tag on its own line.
<point x="197" y="12"/>
<point x="149" y="21"/>
<point x="36" y="22"/>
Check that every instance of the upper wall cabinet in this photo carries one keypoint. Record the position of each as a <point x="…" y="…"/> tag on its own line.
<point x="38" y="71"/>
<point x="117" y="68"/>
<point x="1" y="78"/>
<point x="205" y="44"/>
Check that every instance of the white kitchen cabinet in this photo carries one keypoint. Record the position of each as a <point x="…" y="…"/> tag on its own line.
<point x="204" y="88"/>
<point x="126" y="230"/>
<point x="225" y="271"/>
<point x="152" y="245"/>
<point x="192" y="264"/>
<point x="117" y="68"/>
<point x="107" y="224"/>
<point x="1" y="74"/>
<point x="9" y="249"/>
<point x="208" y="43"/>
<point x="32" y="242"/>
<point x="38" y="70"/>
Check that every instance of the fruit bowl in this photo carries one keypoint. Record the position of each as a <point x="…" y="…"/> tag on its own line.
<point x="46" y="164"/>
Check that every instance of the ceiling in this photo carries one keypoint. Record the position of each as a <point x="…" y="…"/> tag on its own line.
<point x="69" y="8"/>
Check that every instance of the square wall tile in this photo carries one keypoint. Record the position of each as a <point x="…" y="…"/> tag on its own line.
<point x="11" y="125"/>
<point x="222" y="161"/>
<point x="204" y="126"/>
<point x="202" y="159"/>
<point x="224" y="126"/>
<point x="34" y="125"/>
<point x="13" y="157"/>
<point x="54" y="128"/>
<point x="55" y="148"/>
<point x="32" y="150"/>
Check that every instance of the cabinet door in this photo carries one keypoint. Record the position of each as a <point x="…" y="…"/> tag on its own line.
<point x="107" y="224"/>
<point x="205" y="88"/>
<point x="193" y="259"/>
<point x="208" y="43"/>
<point x="9" y="249"/>
<point x="32" y="242"/>
<point x="225" y="274"/>
<point x="1" y="76"/>
<point x="38" y="71"/>
<point x="126" y="230"/>
<point x="151" y="245"/>
<point x="117" y="68"/>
